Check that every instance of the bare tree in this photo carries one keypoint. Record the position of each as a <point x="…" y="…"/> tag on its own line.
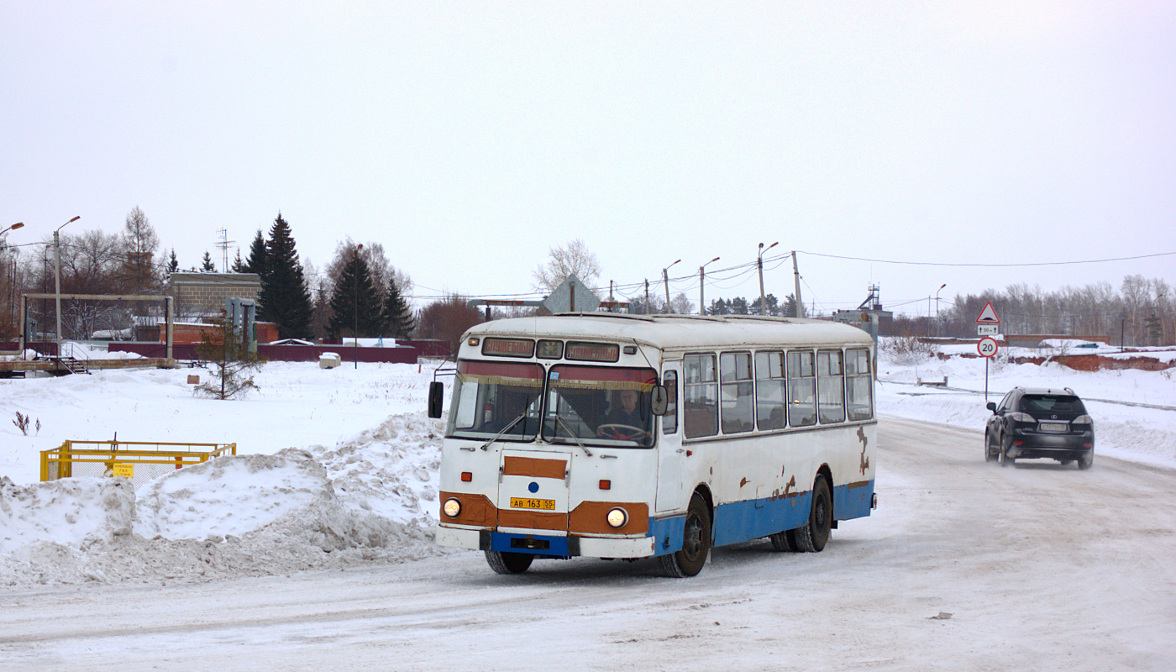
<point x="447" y="320"/>
<point x="139" y="271"/>
<point x="573" y="259"/>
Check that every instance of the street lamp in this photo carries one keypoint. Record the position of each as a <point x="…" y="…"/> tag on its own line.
<point x="57" y="277"/>
<point x="937" y="329"/>
<point x="759" y="263"/>
<point x="12" y="285"/>
<point x="358" y="249"/>
<point x="666" y="282"/>
<point x="701" y="282"/>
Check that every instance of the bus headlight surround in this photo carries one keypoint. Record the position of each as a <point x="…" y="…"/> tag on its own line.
<point x="451" y="507"/>
<point x="617" y="517"/>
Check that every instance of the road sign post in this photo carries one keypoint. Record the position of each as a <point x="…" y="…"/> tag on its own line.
<point x="987" y="348"/>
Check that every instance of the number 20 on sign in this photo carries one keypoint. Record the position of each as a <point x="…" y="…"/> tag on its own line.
<point x="987" y="347"/>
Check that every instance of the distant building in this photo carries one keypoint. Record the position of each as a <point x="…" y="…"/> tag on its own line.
<point x="203" y="294"/>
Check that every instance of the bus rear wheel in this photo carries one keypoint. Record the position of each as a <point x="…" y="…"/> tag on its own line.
<point x="504" y="562"/>
<point x="784" y="542"/>
<point x="812" y="536"/>
<point x="696" y="542"/>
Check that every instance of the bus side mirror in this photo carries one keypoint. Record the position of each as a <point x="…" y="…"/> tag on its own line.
<point x="659" y="400"/>
<point x="436" y="392"/>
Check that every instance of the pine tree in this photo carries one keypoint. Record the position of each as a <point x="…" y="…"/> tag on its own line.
<point x="173" y="264"/>
<point x="397" y="315"/>
<point x="239" y="264"/>
<point x="229" y="359"/>
<point x="355" y="291"/>
<point x="284" y="298"/>
<point x="208" y="266"/>
<point x="257" y="255"/>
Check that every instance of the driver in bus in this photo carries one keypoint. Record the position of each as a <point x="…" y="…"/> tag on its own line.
<point x="626" y="413"/>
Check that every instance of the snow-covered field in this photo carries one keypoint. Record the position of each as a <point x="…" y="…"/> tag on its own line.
<point x="338" y="467"/>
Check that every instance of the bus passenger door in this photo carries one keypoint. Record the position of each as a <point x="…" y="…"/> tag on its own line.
<point x="671" y="456"/>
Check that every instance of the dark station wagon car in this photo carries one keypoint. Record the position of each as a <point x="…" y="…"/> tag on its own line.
<point x="1039" y="422"/>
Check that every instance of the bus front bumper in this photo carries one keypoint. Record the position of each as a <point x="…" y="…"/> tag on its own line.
<point x="540" y="544"/>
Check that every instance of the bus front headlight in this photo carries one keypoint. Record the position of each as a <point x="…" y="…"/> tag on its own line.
<point x="617" y="517"/>
<point x="451" y="507"/>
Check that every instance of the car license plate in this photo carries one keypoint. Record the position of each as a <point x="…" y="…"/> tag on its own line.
<point x="524" y="503"/>
<point x="1054" y="426"/>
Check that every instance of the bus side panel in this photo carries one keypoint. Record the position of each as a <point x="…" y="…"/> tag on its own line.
<point x="751" y="519"/>
<point x="853" y="487"/>
<point x="667" y="534"/>
<point x="853" y="500"/>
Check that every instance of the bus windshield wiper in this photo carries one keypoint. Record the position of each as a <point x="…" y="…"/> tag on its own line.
<point x="504" y="430"/>
<point x="573" y="436"/>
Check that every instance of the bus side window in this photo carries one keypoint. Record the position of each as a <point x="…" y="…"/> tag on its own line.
<point x="736" y="392"/>
<point x="670" y="419"/>
<point x="802" y="398"/>
<point x="858" y="384"/>
<point x="700" y="407"/>
<point x="830" y="386"/>
<point x="769" y="389"/>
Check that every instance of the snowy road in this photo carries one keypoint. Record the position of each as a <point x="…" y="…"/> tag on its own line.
<point x="964" y="566"/>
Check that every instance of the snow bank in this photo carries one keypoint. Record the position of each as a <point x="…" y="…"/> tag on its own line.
<point x="367" y="500"/>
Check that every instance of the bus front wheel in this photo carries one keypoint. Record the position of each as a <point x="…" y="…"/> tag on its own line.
<point x="696" y="542"/>
<point x="812" y="536"/>
<point x="504" y="562"/>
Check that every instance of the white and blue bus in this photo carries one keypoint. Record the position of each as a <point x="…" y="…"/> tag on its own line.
<point x="631" y="436"/>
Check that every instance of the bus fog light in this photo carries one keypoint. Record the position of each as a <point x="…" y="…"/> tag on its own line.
<point x="451" y="507"/>
<point x="617" y="517"/>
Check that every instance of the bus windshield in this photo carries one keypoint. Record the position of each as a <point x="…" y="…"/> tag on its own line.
<point x="496" y="400"/>
<point x="599" y="406"/>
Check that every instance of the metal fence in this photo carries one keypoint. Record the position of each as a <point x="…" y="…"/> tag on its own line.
<point x="138" y="461"/>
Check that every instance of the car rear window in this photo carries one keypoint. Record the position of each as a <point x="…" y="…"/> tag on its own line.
<point x="1052" y="403"/>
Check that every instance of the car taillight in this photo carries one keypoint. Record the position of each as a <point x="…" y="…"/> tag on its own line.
<point x="1022" y="417"/>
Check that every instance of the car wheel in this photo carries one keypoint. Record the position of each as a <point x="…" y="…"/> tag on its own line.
<point x="1005" y="460"/>
<point x="989" y="455"/>
<point x="1086" y="461"/>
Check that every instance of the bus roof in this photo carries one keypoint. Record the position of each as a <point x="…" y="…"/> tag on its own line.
<point x="677" y="331"/>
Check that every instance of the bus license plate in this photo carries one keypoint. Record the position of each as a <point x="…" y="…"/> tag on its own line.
<point x="524" y="503"/>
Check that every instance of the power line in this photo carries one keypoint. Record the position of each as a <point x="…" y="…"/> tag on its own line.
<point x="970" y="265"/>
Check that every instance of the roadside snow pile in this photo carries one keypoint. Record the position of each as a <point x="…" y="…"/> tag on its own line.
<point x="69" y="511"/>
<point x="367" y="500"/>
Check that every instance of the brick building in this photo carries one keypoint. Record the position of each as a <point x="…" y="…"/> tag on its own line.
<point x="203" y="294"/>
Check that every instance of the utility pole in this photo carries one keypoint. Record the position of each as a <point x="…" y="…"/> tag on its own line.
<point x="666" y="282"/>
<point x="796" y="273"/>
<point x="701" y="283"/>
<point x="57" y="277"/>
<point x="759" y="263"/>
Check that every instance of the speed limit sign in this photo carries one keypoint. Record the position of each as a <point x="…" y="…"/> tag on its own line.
<point x="987" y="346"/>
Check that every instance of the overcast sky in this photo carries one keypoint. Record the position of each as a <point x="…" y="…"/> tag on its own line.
<point x="470" y="138"/>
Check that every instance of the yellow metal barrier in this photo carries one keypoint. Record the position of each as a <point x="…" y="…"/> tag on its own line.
<point x="120" y="458"/>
